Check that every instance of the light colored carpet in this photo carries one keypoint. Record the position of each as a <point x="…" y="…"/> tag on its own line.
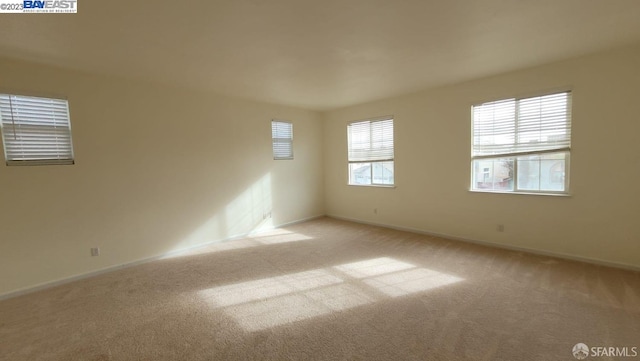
<point x="330" y="290"/>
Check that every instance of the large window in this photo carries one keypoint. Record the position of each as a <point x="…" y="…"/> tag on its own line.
<point x="282" y="139"/>
<point x="35" y="131"/>
<point x="522" y="145"/>
<point x="370" y="148"/>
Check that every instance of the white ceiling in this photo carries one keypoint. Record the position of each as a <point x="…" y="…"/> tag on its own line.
<point x="320" y="54"/>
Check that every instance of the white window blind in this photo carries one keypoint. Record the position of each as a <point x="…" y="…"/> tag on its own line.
<point x="522" y="126"/>
<point x="282" y="136"/>
<point x="522" y="145"/>
<point x="370" y="141"/>
<point x="35" y="130"/>
<point x="370" y="152"/>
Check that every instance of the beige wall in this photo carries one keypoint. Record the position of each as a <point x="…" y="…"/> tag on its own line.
<point x="160" y="169"/>
<point x="157" y="169"/>
<point x="599" y="221"/>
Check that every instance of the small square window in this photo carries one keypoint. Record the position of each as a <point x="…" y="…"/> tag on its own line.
<point x="35" y="130"/>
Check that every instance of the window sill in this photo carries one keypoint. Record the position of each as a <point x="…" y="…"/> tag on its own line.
<point x="372" y="185"/>
<point x="22" y="163"/>
<point x="523" y="193"/>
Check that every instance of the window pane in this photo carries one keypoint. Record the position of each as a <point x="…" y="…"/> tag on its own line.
<point x="370" y="152"/>
<point x="360" y="173"/>
<point x="522" y="125"/>
<point x="544" y="172"/>
<point x="383" y="173"/>
<point x="494" y="127"/>
<point x="35" y="130"/>
<point x="535" y="132"/>
<point x="544" y="120"/>
<point x="493" y="174"/>
<point x="370" y="140"/>
<point x="282" y="136"/>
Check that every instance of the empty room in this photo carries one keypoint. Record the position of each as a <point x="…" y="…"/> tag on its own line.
<point x="320" y="180"/>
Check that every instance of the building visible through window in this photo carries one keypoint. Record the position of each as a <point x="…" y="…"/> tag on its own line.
<point x="522" y="145"/>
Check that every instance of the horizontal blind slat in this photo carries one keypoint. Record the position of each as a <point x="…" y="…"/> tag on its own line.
<point x="522" y="125"/>
<point x="370" y="140"/>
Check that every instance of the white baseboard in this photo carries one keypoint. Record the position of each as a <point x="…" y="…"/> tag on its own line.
<point x="566" y="256"/>
<point x="61" y="281"/>
<point x="65" y="280"/>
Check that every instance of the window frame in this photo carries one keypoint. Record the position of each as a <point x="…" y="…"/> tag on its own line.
<point x="275" y="140"/>
<point x="44" y="161"/>
<point x="514" y="156"/>
<point x="371" y="162"/>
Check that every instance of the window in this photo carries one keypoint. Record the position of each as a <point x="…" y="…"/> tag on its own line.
<point x="370" y="148"/>
<point x="282" y="136"/>
<point x="522" y="145"/>
<point x="35" y="131"/>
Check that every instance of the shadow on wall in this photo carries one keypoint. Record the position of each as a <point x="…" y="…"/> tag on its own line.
<point x="248" y="212"/>
<point x="272" y="237"/>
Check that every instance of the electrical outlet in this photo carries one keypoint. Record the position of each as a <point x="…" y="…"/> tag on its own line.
<point x="375" y="211"/>
<point x="95" y="252"/>
<point x="500" y="228"/>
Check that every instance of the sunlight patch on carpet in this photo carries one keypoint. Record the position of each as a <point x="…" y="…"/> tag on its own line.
<point x="296" y="307"/>
<point x="373" y="267"/>
<point x="275" y="301"/>
<point x="262" y="238"/>
<point x="268" y="287"/>
<point x="280" y="238"/>
<point x="412" y="281"/>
